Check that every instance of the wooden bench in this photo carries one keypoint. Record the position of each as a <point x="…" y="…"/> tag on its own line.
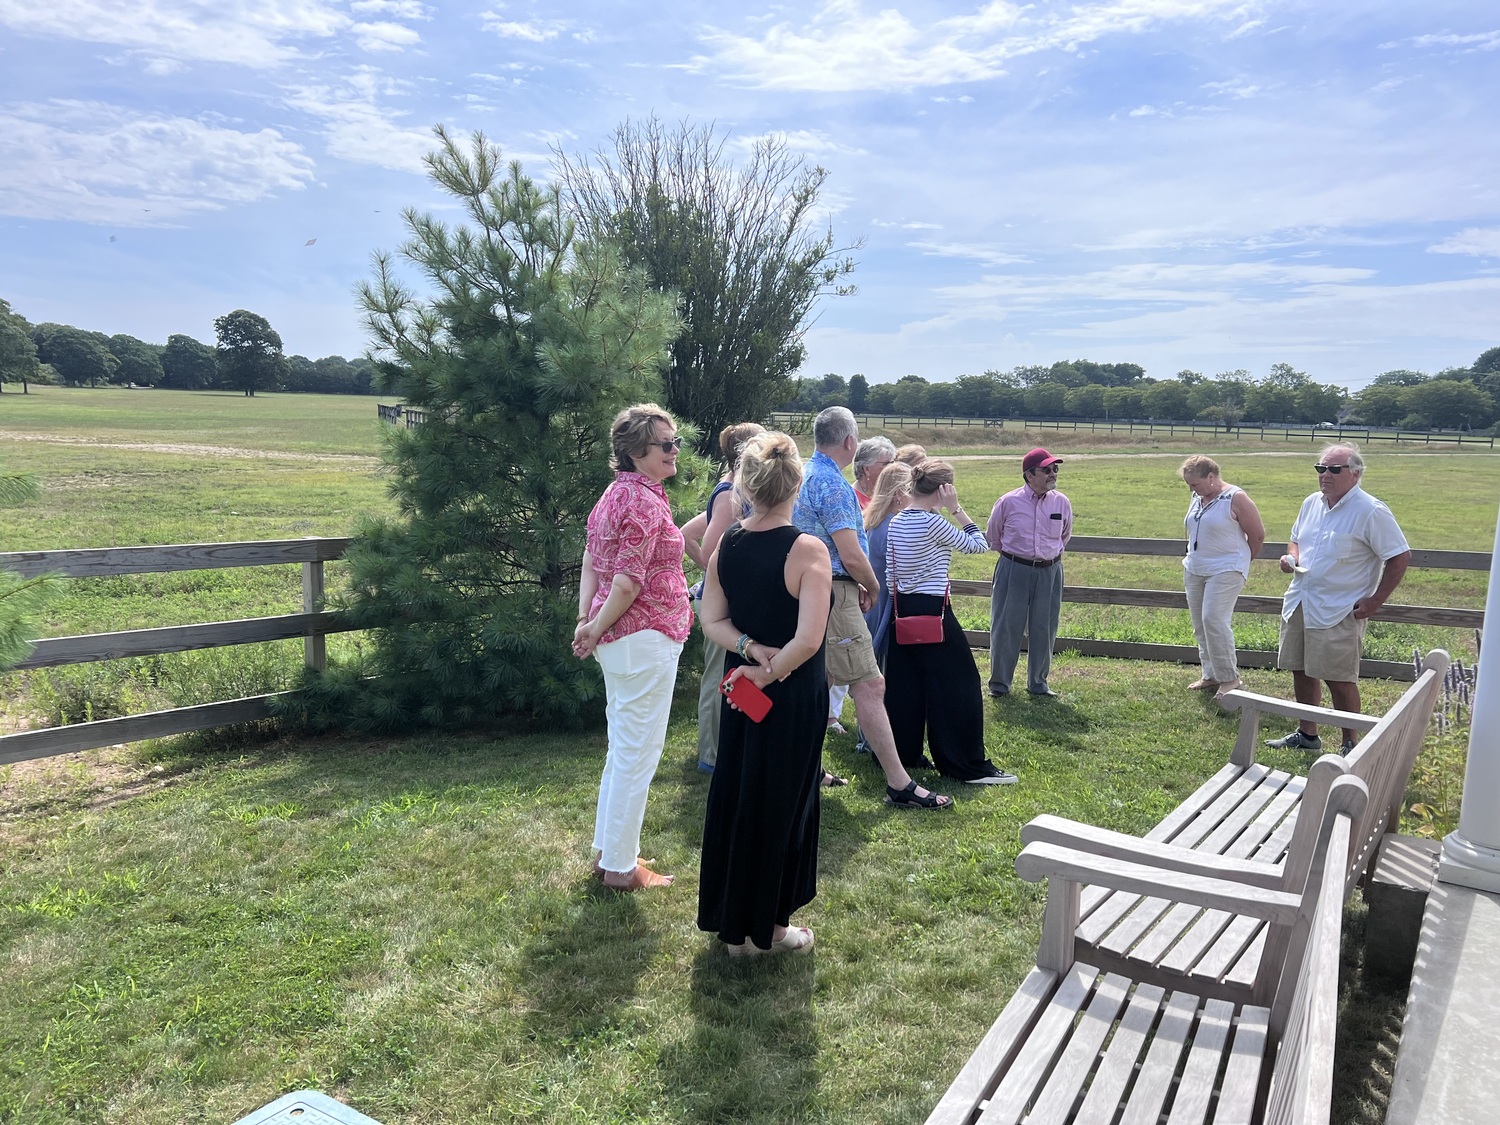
<point x="1262" y="823"/>
<point x="1079" y="1044"/>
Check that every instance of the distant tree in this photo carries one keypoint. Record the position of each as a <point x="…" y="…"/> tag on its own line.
<point x="1046" y="400"/>
<point x="248" y="355"/>
<point x="1456" y="374"/>
<point x="1400" y="377"/>
<point x="531" y="341"/>
<point x="1086" y="401"/>
<point x="910" y="395"/>
<point x="974" y="396"/>
<point x="1123" y="402"/>
<point x="1191" y="378"/>
<point x="882" y="399"/>
<point x="1010" y="378"/>
<point x="1382" y="404"/>
<point x="859" y="392"/>
<point x="18" y="359"/>
<point x="1268" y="402"/>
<point x="1030" y="375"/>
<point x="1451" y="404"/>
<point x="77" y="356"/>
<point x="1167" y="400"/>
<point x="739" y="246"/>
<point x="940" y="400"/>
<point x="187" y="364"/>
<point x="1283" y="376"/>
<point x="1317" y="402"/>
<point x="1066" y="374"/>
<point x="1488" y="363"/>
<point x="139" y="362"/>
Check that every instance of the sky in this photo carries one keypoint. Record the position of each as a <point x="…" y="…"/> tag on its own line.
<point x="1199" y="184"/>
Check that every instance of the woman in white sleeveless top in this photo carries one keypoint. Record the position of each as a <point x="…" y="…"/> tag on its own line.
<point x="1224" y="532"/>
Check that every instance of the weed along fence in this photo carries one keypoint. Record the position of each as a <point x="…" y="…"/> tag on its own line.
<point x="313" y="624"/>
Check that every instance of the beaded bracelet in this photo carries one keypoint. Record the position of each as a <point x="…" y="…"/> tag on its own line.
<point x="744" y="643"/>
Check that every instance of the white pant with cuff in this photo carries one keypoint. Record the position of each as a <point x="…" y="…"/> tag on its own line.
<point x="639" y="671"/>
<point x="1211" y="601"/>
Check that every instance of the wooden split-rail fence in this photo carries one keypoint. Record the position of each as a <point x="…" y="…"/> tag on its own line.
<point x="313" y="624"/>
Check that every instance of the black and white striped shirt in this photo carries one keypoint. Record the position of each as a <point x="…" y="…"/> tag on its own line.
<point x="919" y="549"/>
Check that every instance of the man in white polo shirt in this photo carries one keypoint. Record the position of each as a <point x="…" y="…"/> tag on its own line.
<point x="1346" y="556"/>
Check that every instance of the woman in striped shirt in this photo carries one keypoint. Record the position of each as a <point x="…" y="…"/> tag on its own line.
<point x="934" y="688"/>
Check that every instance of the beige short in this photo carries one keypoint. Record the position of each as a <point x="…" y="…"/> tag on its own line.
<point x="1323" y="654"/>
<point x="849" y="653"/>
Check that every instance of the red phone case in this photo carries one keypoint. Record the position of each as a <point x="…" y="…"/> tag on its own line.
<point x="746" y="696"/>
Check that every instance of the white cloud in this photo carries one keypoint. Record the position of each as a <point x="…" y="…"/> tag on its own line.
<point x="103" y="164"/>
<point x="1482" y="242"/>
<point x="1146" y="111"/>
<point x="256" y="33"/>
<point x="811" y="142"/>
<point x="534" y="31"/>
<point x="358" y="128"/>
<point x="1483" y="41"/>
<point x="396" y="9"/>
<point x="843" y="47"/>
<point x="384" y="36"/>
<point x="976" y="251"/>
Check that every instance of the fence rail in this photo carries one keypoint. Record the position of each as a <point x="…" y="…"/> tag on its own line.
<point x="314" y="624"/>
<point x="794" y="422"/>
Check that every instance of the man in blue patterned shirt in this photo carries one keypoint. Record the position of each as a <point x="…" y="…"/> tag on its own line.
<point x="827" y="508"/>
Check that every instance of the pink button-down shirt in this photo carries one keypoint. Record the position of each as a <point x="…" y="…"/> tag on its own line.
<point x="1031" y="526"/>
<point x="631" y="533"/>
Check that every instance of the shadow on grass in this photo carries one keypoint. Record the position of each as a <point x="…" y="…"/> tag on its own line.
<point x="752" y="1051"/>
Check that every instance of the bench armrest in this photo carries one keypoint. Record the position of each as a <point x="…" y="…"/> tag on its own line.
<point x="1053" y="861"/>
<point x="1168" y="857"/>
<point x="1238" y="699"/>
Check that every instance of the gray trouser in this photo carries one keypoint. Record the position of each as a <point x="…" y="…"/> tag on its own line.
<point x="709" y="699"/>
<point x="1025" y="600"/>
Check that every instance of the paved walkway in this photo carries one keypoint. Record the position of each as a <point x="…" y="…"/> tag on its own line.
<point x="1448" y="1066"/>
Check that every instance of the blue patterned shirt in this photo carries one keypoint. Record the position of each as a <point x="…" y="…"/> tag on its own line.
<point x="827" y="504"/>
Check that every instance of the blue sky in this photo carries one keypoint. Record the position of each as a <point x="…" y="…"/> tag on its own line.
<point x="1176" y="183"/>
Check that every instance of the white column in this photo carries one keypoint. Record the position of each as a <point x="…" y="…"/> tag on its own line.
<point x="1471" y="856"/>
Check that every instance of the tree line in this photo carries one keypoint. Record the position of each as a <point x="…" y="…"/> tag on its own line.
<point x="246" y="356"/>
<point x="1460" y="398"/>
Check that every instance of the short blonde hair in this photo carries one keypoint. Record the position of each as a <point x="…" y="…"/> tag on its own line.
<point x="911" y="454"/>
<point x="929" y="475"/>
<point x="770" y="471"/>
<point x="893" y="484"/>
<point x="633" y="431"/>
<point x="1198" y="467"/>
<point x="733" y="438"/>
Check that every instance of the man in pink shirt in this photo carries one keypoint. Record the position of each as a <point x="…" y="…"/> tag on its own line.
<point x="1030" y="527"/>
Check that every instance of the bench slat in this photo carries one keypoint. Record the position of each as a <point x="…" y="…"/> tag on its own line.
<point x="1065" y="1086"/>
<point x="995" y="1050"/>
<point x="1196" y="1086"/>
<point x="1242" y="1075"/>
<point x="1154" y="1082"/>
<point x="1040" y="1048"/>
<point x="1103" y="1101"/>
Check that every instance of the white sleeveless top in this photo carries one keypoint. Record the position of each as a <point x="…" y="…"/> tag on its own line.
<point x="1216" y="543"/>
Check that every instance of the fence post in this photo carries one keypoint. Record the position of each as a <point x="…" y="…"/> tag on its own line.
<point x="314" y="647"/>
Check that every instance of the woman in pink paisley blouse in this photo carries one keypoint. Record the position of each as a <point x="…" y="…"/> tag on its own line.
<point x="633" y="616"/>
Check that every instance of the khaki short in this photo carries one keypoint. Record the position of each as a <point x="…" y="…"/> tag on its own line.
<point x="1323" y="654"/>
<point x="850" y="653"/>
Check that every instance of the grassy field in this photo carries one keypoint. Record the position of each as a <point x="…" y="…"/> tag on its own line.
<point x="413" y="926"/>
<point x="193" y="927"/>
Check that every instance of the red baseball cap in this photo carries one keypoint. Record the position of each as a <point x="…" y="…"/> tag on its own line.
<point x="1038" y="459"/>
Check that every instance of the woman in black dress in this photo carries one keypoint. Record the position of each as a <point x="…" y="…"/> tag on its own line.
<point x="765" y="600"/>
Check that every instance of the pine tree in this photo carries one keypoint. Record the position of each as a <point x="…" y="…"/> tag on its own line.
<point x="531" y="343"/>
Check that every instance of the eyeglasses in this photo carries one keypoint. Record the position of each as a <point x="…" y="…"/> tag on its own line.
<point x="671" y="446"/>
<point x="1334" y="469"/>
<point x="1050" y="470"/>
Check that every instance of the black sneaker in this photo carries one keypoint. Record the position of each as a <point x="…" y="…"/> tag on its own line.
<point x="1348" y="745"/>
<point x="999" y="777"/>
<point x="1297" y="740"/>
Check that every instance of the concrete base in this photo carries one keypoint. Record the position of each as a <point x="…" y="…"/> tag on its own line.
<point x="1405" y="868"/>
<point x="1448" y="1066"/>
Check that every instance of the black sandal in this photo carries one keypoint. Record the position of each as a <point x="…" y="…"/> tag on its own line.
<point x="831" y="780"/>
<point x="907" y="798"/>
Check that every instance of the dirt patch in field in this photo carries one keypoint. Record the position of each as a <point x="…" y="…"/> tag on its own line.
<point x="352" y="460"/>
<point x="91" y="779"/>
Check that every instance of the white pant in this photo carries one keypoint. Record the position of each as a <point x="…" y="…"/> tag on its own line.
<point x="1210" y="603"/>
<point x="639" y="671"/>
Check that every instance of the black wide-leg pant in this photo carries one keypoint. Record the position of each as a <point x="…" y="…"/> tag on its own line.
<point x="934" y="690"/>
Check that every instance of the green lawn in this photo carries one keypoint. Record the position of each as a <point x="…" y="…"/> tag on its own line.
<point x="412" y="924"/>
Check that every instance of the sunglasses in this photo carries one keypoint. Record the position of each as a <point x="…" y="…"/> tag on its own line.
<point x="1334" y="469"/>
<point x="670" y="446"/>
<point x="1050" y="470"/>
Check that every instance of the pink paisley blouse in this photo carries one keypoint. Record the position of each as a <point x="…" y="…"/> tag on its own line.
<point x="631" y="533"/>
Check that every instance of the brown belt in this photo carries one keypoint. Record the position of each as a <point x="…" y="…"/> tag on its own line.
<point x="1040" y="564"/>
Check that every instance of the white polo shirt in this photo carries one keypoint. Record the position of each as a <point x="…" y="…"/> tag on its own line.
<point x="1344" y="548"/>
